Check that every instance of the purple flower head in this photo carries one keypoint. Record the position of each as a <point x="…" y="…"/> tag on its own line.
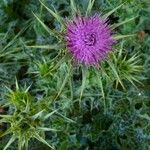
<point x="89" y="39"/>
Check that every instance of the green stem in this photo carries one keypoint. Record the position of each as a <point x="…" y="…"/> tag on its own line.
<point x="105" y="106"/>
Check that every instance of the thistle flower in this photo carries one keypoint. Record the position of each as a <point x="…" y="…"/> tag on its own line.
<point x="89" y="39"/>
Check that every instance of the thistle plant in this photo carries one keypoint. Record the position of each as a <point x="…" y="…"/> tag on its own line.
<point x="125" y="69"/>
<point x="88" y="41"/>
<point x="27" y="118"/>
<point x="74" y="73"/>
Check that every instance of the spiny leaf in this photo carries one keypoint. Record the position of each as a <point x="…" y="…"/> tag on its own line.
<point x="38" y="137"/>
<point x="26" y="144"/>
<point x="68" y="119"/>
<point x="63" y="84"/>
<point x="8" y="131"/>
<point x="38" y="114"/>
<point x="73" y="6"/>
<point x="71" y="88"/>
<point x="115" y="73"/>
<point x="13" y="40"/>
<point x="55" y="46"/>
<point x="135" y="79"/>
<point x="28" y="88"/>
<point x="10" y="90"/>
<point x="46" y="129"/>
<point x="21" y="142"/>
<point x="120" y="50"/>
<point x="90" y="5"/>
<point x="112" y="11"/>
<point x="99" y="79"/>
<point x="103" y="71"/>
<point x="61" y="61"/>
<point x="3" y="120"/>
<point x="6" y="116"/>
<point x="133" y="58"/>
<point x="51" y="32"/>
<point x="145" y="116"/>
<point x="12" y="139"/>
<point x="55" y="14"/>
<point x="118" y="37"/>
<point x="84" y="76"/>
<point x="50" y="114"/>
<point x="130" y="80"/>
<point x="17" y="86"/>
<point x="121" y="23"/>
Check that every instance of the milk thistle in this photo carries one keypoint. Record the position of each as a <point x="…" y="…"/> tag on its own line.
<point x="89" y="39"/>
